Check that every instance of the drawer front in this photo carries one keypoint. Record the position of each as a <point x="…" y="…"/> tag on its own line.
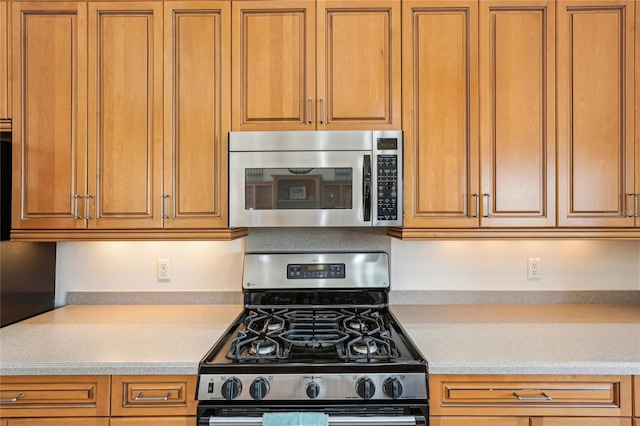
<point x="531" y="395"/>
<point x="576" y="421"/>
<point x="479" y="421"/>
<point x="62" y="421"/>
<point x="153" y="421"/>
<point x="153" y="395"/>
<point x="636" y="396"/>
<point x="48" y="396"/>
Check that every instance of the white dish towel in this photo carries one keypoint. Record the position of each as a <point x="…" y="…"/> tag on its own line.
<point x="295" y="419"/>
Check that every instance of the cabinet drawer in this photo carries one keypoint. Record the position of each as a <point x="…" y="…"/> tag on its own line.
<point x="48" y="396"/>
<point x="62" y="421"/>
<point x="153" y="395"/>
<point x="576" y="421"/>
<point x="531" y="395"/>
<point x="636" y="396"/>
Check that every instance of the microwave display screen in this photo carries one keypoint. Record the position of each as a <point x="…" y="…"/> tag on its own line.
<point x="298" y="188"/>
<point x="387" y="143"/>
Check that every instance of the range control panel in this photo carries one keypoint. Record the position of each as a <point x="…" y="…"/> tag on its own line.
<point x="315" y="270"/>
<point x="387" y="187"/>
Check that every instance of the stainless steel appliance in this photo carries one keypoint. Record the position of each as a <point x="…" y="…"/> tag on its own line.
<point x="316" y="334"/>
<point x="315" y="178"/>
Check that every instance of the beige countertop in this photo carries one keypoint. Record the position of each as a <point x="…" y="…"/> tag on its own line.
<point x="455" y="339"/>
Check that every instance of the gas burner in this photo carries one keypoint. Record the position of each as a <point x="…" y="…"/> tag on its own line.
<point x="262" y="347"/>
<point x="365" y="346"/>
<point x="261" y="322"/>
<point x="314" y="316"/>
<point x="313" y="336"/>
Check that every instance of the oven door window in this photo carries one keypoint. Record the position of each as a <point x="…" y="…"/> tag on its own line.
<point x="298" y="188"/>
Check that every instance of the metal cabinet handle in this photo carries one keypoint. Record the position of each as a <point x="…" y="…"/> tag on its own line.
<point x="477" y="197"/>
<point x="635" y="204"/>
<point x="542" y="397"/>
<point x="14" y="399"/>
<point x="165" y="207"/>
<point x="141" y="397"/>
<point x="309" y="106"/>
<point x="488" y="211"/>
<point x="88" y="206"/>
<point x="75" y="206"/>
<point x="321" y="110"/>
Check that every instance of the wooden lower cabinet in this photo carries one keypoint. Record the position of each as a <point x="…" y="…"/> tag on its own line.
<point x="153" y="421"/>
<point x="479" y="421"/>
<point x="578" y="421"/>
<point x="62" y="421"/>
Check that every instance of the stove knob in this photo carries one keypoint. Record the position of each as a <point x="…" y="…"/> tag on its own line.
<point x="392" y="388"/>
<point x="259" y="388"/>
<point x="313" y="390"/>
<point x="231" y="388"/>
<point x="365" y="388"/>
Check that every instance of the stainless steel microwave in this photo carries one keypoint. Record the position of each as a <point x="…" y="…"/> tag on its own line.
<point x="315" y="178"/>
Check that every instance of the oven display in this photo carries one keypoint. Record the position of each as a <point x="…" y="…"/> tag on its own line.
<point x="315" y="270"/>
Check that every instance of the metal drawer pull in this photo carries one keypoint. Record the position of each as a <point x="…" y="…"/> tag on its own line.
<point x="14" y="399"/>
<point x="141" y="397"/>
<point x="544" y="397"/>
<point x="333" y="421"/>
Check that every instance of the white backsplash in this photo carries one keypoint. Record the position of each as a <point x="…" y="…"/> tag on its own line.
<point x="415" y="265"/>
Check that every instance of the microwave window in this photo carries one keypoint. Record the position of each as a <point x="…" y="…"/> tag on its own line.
<point x="298" y="188"/>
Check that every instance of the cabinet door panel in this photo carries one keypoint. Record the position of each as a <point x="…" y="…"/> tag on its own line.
<point x="517" y="114"/>
<point x="440" y="121"/>
<point x="153" y="421"/>
<point x="595" y="113"/>
<point x="273" y="64"/>
<point x="5" y="84"/>
<point x="125" y="110"/>
<point x="358" y="65"/>
<point x="68" y="421"/>
<point x="49" y="121"/>
<point x="197" y="89"/>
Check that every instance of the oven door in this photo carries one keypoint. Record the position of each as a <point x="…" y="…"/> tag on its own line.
<point x="300" y="188"/>
<point x="339" y="415"/>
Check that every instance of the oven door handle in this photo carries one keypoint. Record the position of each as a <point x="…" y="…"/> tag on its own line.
<point x="333" y="421"/>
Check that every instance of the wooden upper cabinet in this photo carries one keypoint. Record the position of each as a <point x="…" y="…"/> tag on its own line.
<point x="273" y="65"/>
<point x="595" y="48"/>
<point x="358" y="65"/>
<point x="5" y="36"/>
<point x="49" y="117"/>
<point x="440" y="103"/>
<point x="196" y="105"/>
<point x="280" y="84"/>
<point x="517" y="113"/>
<point x="125" y="115"/>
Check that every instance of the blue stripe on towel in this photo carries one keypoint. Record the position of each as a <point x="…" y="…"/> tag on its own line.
<point x="295" y="419"/>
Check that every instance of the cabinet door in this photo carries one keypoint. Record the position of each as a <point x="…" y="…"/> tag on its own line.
<point x="49" y="120"/>
<point x="125" y="115"/>
<point x="197" y="96"/>
<point x="517" y="114"/>
<point x="579" y="421"/>
<point x="152" y="421"/>
<point x="273" y="65"/>
<point x="595" y="60"/>
<point x="479" y="421"/>
<point x="5" y="96"/>
<point x="440" y="102"/>
<point x="358" y="48"/>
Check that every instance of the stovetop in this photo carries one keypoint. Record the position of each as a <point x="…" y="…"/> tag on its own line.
<point x="327" y="336"/>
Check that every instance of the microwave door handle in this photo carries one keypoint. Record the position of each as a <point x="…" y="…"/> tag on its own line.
<point x="366" y="187"/>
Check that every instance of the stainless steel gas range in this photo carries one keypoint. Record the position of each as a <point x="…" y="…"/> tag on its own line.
<point x="316" y="335"/>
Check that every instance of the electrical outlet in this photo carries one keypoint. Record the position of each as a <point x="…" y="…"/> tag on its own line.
<point x="163" y="270"/>
<point x="533" y="268"/>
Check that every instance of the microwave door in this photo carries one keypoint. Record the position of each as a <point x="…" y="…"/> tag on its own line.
<point x="296" y="188"/>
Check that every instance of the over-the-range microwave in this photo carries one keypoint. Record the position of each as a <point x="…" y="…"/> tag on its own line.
<point x="315" y="178"/>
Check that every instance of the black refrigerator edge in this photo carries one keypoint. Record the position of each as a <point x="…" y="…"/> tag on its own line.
<point x="27" y="269"/>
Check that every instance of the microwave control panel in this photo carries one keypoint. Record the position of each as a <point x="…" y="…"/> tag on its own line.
<point x="387" y="165"/>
